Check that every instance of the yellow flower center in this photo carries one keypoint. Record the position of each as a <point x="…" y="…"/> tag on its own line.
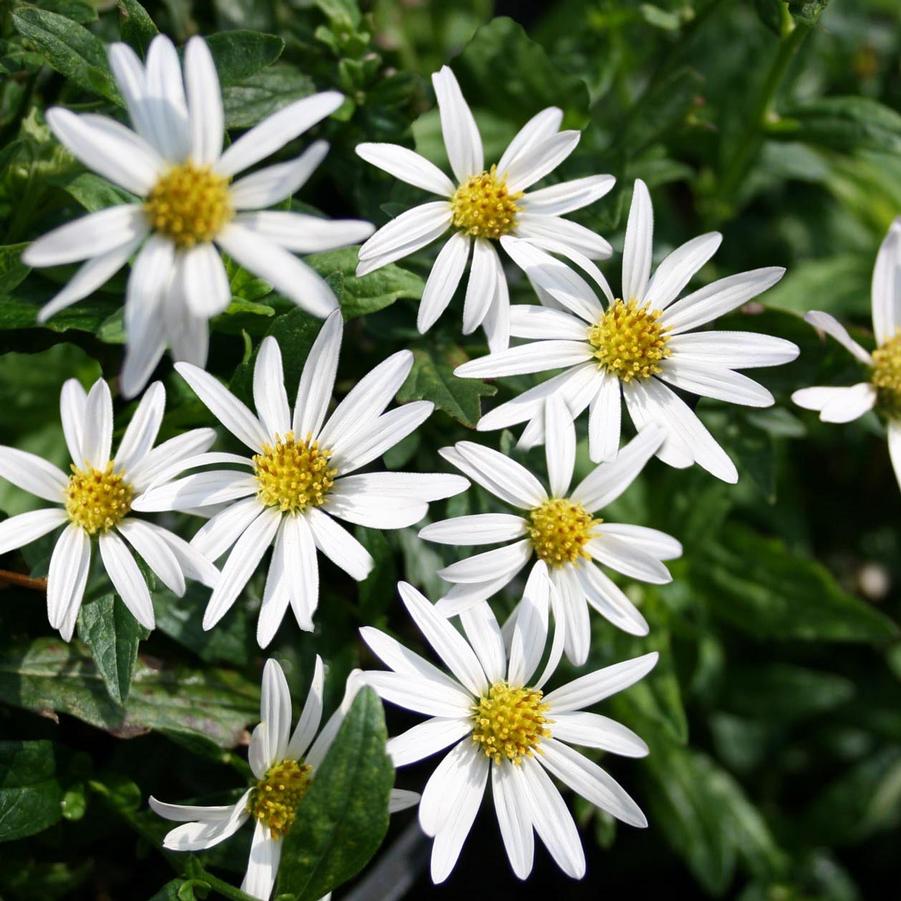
<point x="293" y="475"/>
<point x="484" y="207"/>
<point x="509" y="723"/>
<point x="97" y="499"/>
<point x="274" y="799"/>
<point x="559" y="530"/>
<point x="189" y="204"/>
<point x="629" y="340"/>
<point x="887" y="376"/>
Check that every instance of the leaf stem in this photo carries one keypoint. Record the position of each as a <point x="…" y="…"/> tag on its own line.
<point x="7" y="577"/>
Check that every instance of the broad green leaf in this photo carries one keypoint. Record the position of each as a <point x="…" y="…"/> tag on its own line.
<point x="842" y="123"/>
<point x="251" y="99"/>
<point x="760" y="586"/>
<point x="48" y="674"/>
<point x="433" y="379"/>
<point x="30" y="796"/>
<point x="94" y="192"/>
<point x="372" y="292"/>
<point x="19" y="312"/>
<point x="69" y="48"/>
<point x="107" y="627"/>
<point x="76" y="10"/>
<point x="344" y="816"/>
<point x="12" y="270"/>
<point x="136" y="26"/>
<point x="240" y="54"/>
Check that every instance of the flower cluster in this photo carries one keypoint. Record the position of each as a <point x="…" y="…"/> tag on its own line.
<point x="305" y="469"/>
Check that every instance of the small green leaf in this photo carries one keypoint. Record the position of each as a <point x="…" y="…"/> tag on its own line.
<point x="136" y="26"/>
<point x="372" y="292"/>
<point x="113" y="635"/>
<point x="842" y="123"/>
<point x="344" y="816"/>
<point x="12" y="270"/>
<point x="434" y="380"/>
<point x="18" y="312"/>
<point x="240" y="54"/>
<point x="30" y="796"/>
<point x="70" y="49"/>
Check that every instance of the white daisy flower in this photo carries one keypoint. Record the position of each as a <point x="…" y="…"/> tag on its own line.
<point x="96" y="502"/>
<point x="635" y="347"/>
<point x="187" y="205"/>
<point x="882" y="389"/>
<point x="559" y="529"/>
<point x="499" y="721"/>
<point x="284" y="765"/>
<point x="298" y="476"/>
<point x="483" y="205"/>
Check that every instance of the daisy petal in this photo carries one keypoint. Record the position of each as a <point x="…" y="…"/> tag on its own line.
<point x="577" y="628"/>
<point x="832" y="327"/>
<point x="540" y="127"/>
<point x="529" y="636"/>
<point x="310" y="717"/>
<point x="218" y="534"/>
<point x="425" y="739"/>
<point x="376" y="511"/>
<point x="605" y="419"/>
<point x="188" y="813"/>
<point x="594" y="687"/>
<point x="838" y="404"/>
<point x="275" y="712"/>
<point x="126" y="577"/>
<point x="72" y="406"/>
<point x="712" y="381"/>
<point x="497" y="320"/>
<point x="339" y="545"/>
<point x="301" y="233"/>
<point x="17" y="531"/>
<point x="463" y="595"/>
<point x="894" y="446"/>
<point x="627" y="559"/>
<point x="67" y="577"/>
<point x="560" y="447"/>
<point x="484" y="635"/>
<point x="654" y="542"/>
<point x="408" y="166"/>
<point x="532" y="226"/>
<point x="886" y="288"/>
<point x="130" y="77"/>
<point x="504" y="561"/>
<point x="733" y="350"/>
<point x="423" y="486"/>
<point x="193" y="564"/>
<point x="145" y="424"/>
<point x="262" y="864"/>
<point x="497" y="473"/>
<point x="318" y="378"/>
<point x="461" y="134"/>
<point x="591" y="730"/>
<point x="639" y="244"/>
<point x="97" y="435"/>
<point x="408" y="232"/>
<point x="206" y="832"/>
<point x="145" y="539"/>
<point x="203" y="489"/>
<point x="481" y="286"/>
<point x="204" y="282"/>
<point x="301" y="569"/>
<point x="32" y="474"/>
<point x="610" y="601"/>
<point x="269" y="395"/>
<point x="424" y="696"/>
<point x="533" y="163"/>
<point x="207" y="120"/>
<point x="508" y="790"/>
<point x="410" y="665"/>
<point x="169" y="454"/>
<point x="677" y="269"/>
<point x="271" y="185"/>
<point x="447" y="270"/>
<point x="541" y="324"/>
<point x="479" y="528"/>
<point x="557" y="200"/>
<point x="165" y="102"/>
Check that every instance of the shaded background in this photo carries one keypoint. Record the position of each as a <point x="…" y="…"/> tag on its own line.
<point x="774" y="718"/>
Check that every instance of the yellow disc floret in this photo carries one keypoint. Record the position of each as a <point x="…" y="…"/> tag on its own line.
<point x="483" y="206"/>
<point x="509" y="722"/>
<point x="97" y="499"/>
<point x="629" y="341"/>
<point x="293" y="475"/>
<point x="559" y="530"/>
<point x="887" y="376"/>
<point x="189" y="204"/>
<point x="274" y="799"/>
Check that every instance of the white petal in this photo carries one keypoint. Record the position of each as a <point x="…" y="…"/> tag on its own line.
<point x="203" y="489"/>
<point x="479" y="528"/>
<point x="677" y="269"/>
<point x="610" y="601"/>
<point x="109" y="148"/>
<point x="70" y="563"/>
<point x="559" y="199"/>
<point x="130" y="77"/>
<point x="529" y="636"/>
<point x="733" y="350"/>
<point x="591" y="730"/>
<point x="503" y="477"/>
<point x="573" y="255"/>
<point x="225" y="406"/>
<point x="301" y="569"/>
<point x="422" y="486"/>
<point x="425" y="739"/>
<point x="262" y="864"/>
<point x="560" y="445"/>
<point x="838" y="404"/>
<point x="317" y="380"/>
<point x="302" y="233"/>
<point x="503" y="562"/>
<point x="144" y="538"/>
<point x="269" y="186"/>
<point x="609" y="480"/>
<point x="423" y="696"/>
<point x="276" y="130"/>
<point x="218" y="534"/>
<point x="639" y="244"/>
<point x="712" y="381"/>
<point x="534" y="227"/>
<point x="602" y="683"/>
<point x="205" y="283"/>
<point x="310" y="717"/>
<point x="509" y="790"/>
<point x="32" y="474"/>
<point x="339" y="545"/>
<point x="886" y="288"/>
<point x="447" y="270"/>
<point x="442" y="790"/>
<point x="193" y="564"/>
<point x="375" y="511"/>
<point x="94" y="235"/>
<point x="831" y="326"/>
<point x="552" y="820"/>
<point x="141" y="432"/>
<point x="276" y="598"/>
<point x="540" y="323"/>
<point x="164" y="100"/>
<point x="605" y="419"/>
<point x="894" y="446"/>
<point x="169" y="454"/>
<point x="718" y="298"/>
<point x="97" y="435"/>
<point x="275" y="712"/>
<point x="287" y="275"/>
<point x="269" y="395"/>
<point x="481" y="286"/>
<point x="126" y="577"/>
<point x="571" y="603"/>
<point x="207" y="832"/>
<point x="627" y="558"/>
<point x="661" y="545"/>
<point x="324" y="740"/>
<point x="533" y="163"/>
<point x="484" y="635"/>
<point x="408" y="166"/>
<point x="587" y="779"/>
<point x="497" y="320"/>
<point x="204" y="102"/>
<point x="408" y="232"/>
<point x="17" y="531"/>
<point x="540" y="127"/>
<point x="72" y="404"/>
<point x="463" y="595"/>
<point x="241" y="563"/>
<point x="188" y="813"/>
<point x="461" y="134"/>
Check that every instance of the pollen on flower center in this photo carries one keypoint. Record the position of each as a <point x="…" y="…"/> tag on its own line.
<point x="274" y="799"/>
<point x="887" y="375"/>
<point x="559" y="530"/>
<point x="189" y="204"/>
<point x="293" y="475"/>
<point x="509" y="722"/>
<point x="629" y="340"/>
<point x="97" y="499"/>
<point x="484" y="207"/>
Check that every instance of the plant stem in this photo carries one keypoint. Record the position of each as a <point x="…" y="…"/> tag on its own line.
<point x="11" y="578"/>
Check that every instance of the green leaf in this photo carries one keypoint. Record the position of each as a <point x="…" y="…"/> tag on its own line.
<point x="136" y="26"/>
<point x="49" y="674"/>
<point x="12" y="270"/>
<point x="18" y="312"/>
<point x="69" y="48"/>
<point x="373" y="292"/>
<point x="241" y="54"/>
<point x="760" y="586"/>
<point x="113" y="635"/>
<point x="842" y="123"/>
<point x="250" y="100"/>
<point x="434" y="380"/>
<point x="95" y="193"/>
<point x="30" y="796"/>
<point x="344" y="816"/>
<point x="770" y="12"/>
<point x="807" y="12"/>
